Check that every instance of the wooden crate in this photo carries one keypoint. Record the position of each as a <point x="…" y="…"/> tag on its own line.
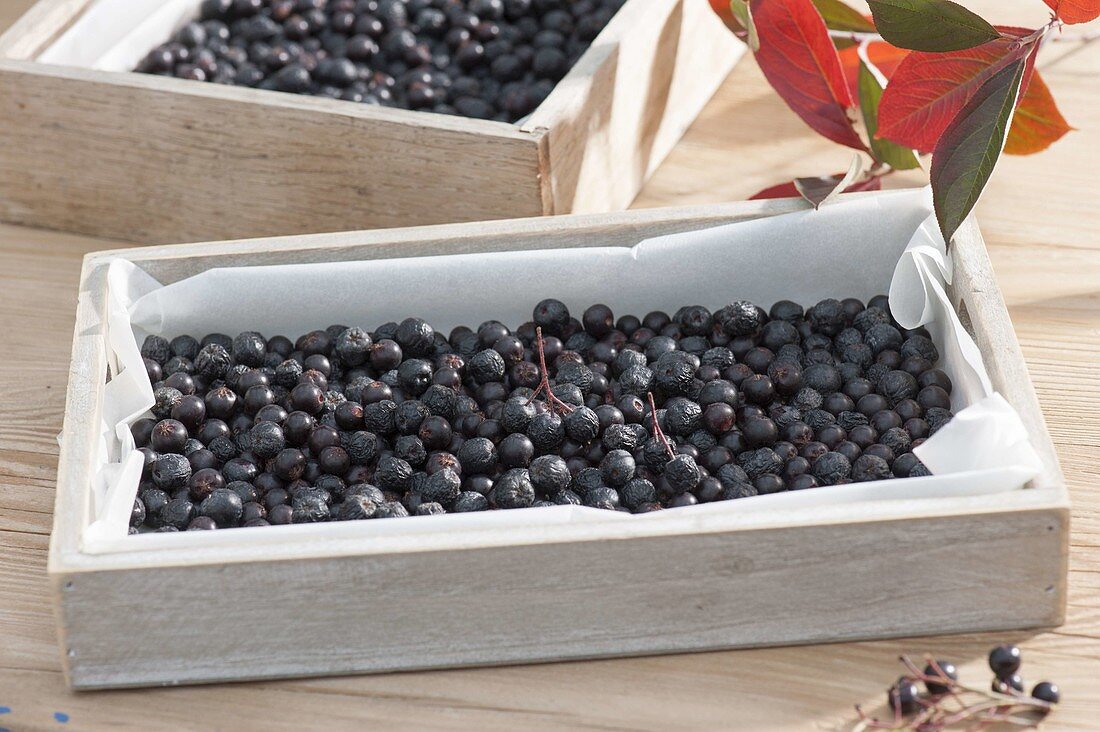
<point x="327" y="604"/>
<point x="148" y="158"/>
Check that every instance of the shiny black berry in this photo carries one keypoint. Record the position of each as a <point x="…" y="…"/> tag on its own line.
<point x="942" y="669"/>
<point x="1004" y="660"/>
<point x="224" y="506"/>
<point x="1010" y="684"/>
<point x="551" y="315"/>
<point x="1047" y="691"/>
<point x="904" y="696"/>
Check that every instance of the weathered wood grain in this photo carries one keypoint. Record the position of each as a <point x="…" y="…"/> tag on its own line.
<point x="613" y="119"/>
<point x="42" y="23"/>
<point x="156" y="159"/>
<point x="545" y="602"/>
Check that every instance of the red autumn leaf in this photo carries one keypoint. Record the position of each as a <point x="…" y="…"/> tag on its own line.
<point x="885" y="57"/>
<point x="787" y="190"/>
<point x="781" y="190"/>
<point x="1038" y="124"/>
<point x="1075" y="11"/>
<point x="929" y="89"/>
<point x="799" y="60"/>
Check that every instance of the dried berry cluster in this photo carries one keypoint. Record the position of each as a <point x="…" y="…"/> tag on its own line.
<point x="945" y="703"/>
<point x="631" y="415"/>
<point x="487" y="59"/>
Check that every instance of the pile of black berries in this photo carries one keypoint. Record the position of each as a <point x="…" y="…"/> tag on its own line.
<point x="487" y="59"/>
<point x="633" y="415"/>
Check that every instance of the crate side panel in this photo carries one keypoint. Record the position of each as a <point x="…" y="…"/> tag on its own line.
<point x="977" y="298"/>
<point x="571" y="600"/>
<point x="157" y="160"/>
<point x="615" y="119"/>
<point x="41" y="24"/>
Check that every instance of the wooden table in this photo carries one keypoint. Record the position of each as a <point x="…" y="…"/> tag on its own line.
<point x="1040" y="217"/>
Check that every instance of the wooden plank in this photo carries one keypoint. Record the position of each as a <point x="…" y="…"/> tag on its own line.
<point x="616" y="115"/>
<point x="43" y="23"/>
<point x="977" y="298"/>
<point x="149" y="158"/>
<point x="83" y="410"/>
<point x="551" y="601"/>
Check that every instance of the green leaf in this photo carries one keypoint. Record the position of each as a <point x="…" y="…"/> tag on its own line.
<point x="842" y="17"/>
<point x="743" y="13"/>
<point x="967" y="151"/>
<point x="930" y="25"/>
<point x="870" y="91"/>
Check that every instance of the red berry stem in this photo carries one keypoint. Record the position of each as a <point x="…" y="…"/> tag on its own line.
<point x="959" y="704"/>
<point x="657" y="431"/>
<point x="552" y="401"/>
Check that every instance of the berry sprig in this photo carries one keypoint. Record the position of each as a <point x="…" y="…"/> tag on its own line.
<point x="948" y="704"/>
<point x="552" y="402"/>
<point x="657" y="431"/>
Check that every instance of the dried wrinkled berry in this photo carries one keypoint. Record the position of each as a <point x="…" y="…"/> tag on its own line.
<point x="470" y="501"/>
<point x="171" y="471"/>
<point x="827" y="317"/>
<point x="355" y="508"/>
<point x="832" y="468"/>
<point x="442" y="487"/>
<point x="309" y="506"/>
<point x="682" y="473"/>
<point x="514" y="489"/>
<point x="549" y="474"/>
<point x="740" y="318"/>
<point x="870" y="467"/>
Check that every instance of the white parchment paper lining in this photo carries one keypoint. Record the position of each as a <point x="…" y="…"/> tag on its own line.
<point x="114" y="35"/>
<point x="853" y="248"/>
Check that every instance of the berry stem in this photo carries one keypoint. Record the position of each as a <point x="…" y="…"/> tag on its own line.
<point x="657" y="431"/>
<point x="944" y="711"/>
<point x="552" y="401"/>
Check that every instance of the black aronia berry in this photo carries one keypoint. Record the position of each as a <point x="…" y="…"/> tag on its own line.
<point x="632" y="414"/>
<point x="485" y="59"/>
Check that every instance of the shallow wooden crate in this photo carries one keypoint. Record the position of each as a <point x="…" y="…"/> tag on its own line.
<point x="369" y="604"/>
<point x="149" y="158"/>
